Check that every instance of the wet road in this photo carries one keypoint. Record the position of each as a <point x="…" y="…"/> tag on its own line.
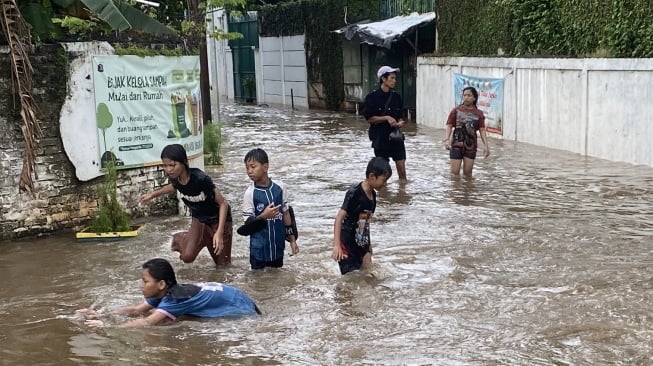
<point x="543" y="258"/>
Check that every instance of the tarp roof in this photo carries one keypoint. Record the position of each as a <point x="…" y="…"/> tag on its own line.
<point x="385" y="32"/>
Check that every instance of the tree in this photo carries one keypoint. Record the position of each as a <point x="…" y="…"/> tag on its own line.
<point x="195" y="30"/>
<point x="17" y="35"/>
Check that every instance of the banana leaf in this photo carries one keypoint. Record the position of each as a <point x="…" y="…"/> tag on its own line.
<point x="121" y="16"/>
<point x="109" y="12"/>
<point x="142" y="22"/>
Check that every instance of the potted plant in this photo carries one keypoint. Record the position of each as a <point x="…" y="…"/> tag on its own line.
<point x="249" y="84"/>
<point x="213" y="143"/>
<point x="111" y="221"/>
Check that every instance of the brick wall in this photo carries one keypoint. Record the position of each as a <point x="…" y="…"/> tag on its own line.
<point x="60" y="201"/>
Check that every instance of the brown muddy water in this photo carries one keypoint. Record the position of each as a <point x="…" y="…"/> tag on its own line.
<point x="543" y="258"/>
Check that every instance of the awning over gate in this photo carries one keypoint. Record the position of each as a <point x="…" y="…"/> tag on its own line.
<point x="385" y="32"/>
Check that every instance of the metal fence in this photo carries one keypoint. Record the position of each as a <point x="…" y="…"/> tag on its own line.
<point x="392" y="8"/>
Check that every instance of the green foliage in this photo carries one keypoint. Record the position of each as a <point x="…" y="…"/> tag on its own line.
<point x="219" y="34"/>
<point x="75" y="25"/>
<point x="285" y="19"/>
<point x="194" y="29"/>
<point x="473" y="27"/>
<point x="213" y="143"/>
<point x="630" y="31"/>
<point x="122" y="16"/>
<point x="111" y="216"/>
<point x="358" y="10"/>
<point x="291" y="18"/>
<point x="249" y="83"/>
<point x="324" y="48"/>
<point x="90" y="19"/>
<point x="142" y="51"/>
<point x="560" y="28"/>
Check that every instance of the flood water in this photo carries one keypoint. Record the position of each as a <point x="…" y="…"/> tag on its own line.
<point x="543" y="258"/>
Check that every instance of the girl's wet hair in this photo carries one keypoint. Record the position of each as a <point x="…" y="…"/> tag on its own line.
<point x="161" y="270"/>
<point x="258" y="155"/>
<point x="474" y="93"/>
<point x="175" y="152"/>
<point x="379" y="166"/>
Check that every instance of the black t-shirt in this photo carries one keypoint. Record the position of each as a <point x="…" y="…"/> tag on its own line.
<point x="199" y="196"/>
<point x="375" y="106"/>
<point x="356" y="224"/>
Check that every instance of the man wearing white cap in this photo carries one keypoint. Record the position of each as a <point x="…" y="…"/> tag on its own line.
<point x="384" y="111"/>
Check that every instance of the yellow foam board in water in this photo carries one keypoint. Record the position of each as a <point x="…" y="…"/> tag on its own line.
<point x="87" y="235"/>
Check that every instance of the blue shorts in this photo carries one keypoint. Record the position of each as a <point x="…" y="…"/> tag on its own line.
<point x="460" y="152"/>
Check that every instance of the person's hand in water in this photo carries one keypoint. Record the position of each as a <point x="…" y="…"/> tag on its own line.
<point x="91" y="317"/>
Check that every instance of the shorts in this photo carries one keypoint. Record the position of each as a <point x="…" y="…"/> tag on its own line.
<point x="200" y="235"/>
<point x="355" y="254"/>
<point x="459" y="152"/>
<point x="396" y="151"/>
<point x="258" y="264"/>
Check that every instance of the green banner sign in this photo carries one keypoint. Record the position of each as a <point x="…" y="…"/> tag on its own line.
<point x="145" y="103"/>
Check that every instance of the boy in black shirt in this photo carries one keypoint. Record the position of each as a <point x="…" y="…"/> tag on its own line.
<point x="351" y="232"/>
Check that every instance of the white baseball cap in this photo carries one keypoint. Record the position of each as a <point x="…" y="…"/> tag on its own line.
<point x="385" y="70"/>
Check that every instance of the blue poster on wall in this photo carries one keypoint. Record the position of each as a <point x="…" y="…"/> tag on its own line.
<point x="490" y="98"/>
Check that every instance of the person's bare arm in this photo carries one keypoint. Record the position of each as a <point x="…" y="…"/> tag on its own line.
<point x="447" y="135"/>
<point x="134" y="310"/>
<point x="153" y="319"/>
<point x="486" y="147"/>
<point x="223" y="205"/>
<point x="287" y="221"/>
<point x="167" y="189"/>
<point x="337" y="254"/>
<point x="380" y="119"/>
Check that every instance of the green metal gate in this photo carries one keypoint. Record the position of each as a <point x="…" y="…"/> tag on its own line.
<point x="243" y="55"/>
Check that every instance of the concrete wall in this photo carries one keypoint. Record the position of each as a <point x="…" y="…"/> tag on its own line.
<point x="592" y="107"/>
<point x="281" y="66"/>
<point x="221" y="68"/>
<point x="61" y="201"/>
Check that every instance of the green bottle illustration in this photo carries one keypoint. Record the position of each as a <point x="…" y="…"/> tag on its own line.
<point x="174" y="133"/>
<point x="179" y="128"/>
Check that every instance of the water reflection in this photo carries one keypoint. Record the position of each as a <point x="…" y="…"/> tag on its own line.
<point x="541" y="258"/>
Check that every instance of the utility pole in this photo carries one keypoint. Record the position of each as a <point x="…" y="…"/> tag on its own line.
<point x="205" y="86"/>
<point x="198" y="17"/>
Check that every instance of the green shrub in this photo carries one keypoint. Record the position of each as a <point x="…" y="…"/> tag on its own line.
<point x="213" y="143"/>
<point x="111" y="216"/>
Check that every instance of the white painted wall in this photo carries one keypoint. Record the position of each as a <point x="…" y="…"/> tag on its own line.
<point x="281" y="65"/>
<point x="593" y="107"/>
<point x="221" y="65"/>
<point x="77" y="120"/>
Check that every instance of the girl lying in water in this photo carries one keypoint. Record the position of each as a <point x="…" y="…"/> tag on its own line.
<point x="165" y="299"/>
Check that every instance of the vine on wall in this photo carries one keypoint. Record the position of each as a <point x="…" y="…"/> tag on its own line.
<point x="562" y="28"/>
<point x="474" y="27"/>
